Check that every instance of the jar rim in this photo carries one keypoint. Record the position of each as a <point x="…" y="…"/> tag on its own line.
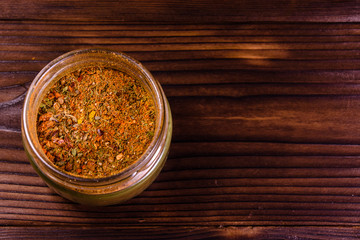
<point x="45" y="77"/>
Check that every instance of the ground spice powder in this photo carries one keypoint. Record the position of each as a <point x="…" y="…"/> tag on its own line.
<point x="95" y="121"/>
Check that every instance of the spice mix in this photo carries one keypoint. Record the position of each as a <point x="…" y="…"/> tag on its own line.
<point x="95" y="122"/>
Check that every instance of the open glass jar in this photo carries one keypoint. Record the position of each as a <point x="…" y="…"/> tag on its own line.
<point x="122" y="185"/>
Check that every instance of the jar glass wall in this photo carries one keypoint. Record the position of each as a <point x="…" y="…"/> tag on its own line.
<point x="115" y="188"/>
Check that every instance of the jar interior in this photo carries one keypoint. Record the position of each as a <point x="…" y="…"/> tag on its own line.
<point x="91" y="58"/>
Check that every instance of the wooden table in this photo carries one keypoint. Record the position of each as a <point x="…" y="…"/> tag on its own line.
<point x="266" y="107"/>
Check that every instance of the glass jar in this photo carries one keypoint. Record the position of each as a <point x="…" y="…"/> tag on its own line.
<point x="120" y="186"/>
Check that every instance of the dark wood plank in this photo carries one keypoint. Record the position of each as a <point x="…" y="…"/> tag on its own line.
<point x="240" y="53"/>
<point x="329" y="119"/>
<point x="222" y="232"/>
<point x="179" y="11"/>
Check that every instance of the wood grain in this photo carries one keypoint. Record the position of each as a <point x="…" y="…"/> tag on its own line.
<point x="251" y="146"/>
<point x="265" y="99"/>
<point x="180" y="11"/>
<point x="221" y="232"/>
